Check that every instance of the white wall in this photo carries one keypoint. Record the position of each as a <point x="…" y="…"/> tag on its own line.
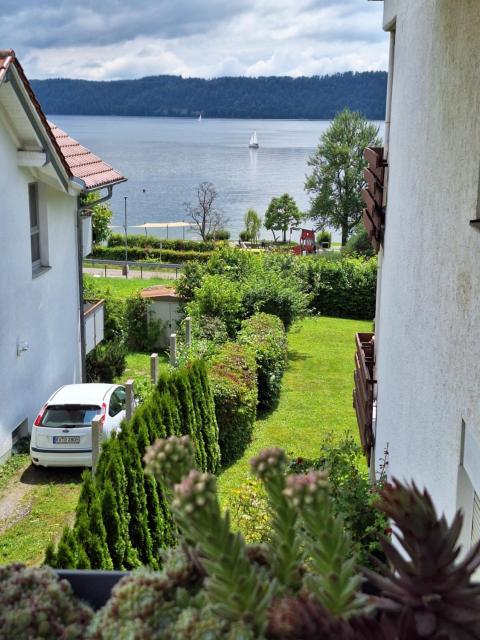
<point x="42" y="311"/>
<point x="428" y="351"/>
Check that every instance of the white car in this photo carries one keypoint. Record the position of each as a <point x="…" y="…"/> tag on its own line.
<point x="62" y="431"/>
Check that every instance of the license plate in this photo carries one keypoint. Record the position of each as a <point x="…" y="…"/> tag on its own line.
<point x="66" y="439"/>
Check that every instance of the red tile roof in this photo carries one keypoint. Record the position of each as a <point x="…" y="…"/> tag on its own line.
<point x="159" y="292"/>
<point x="82" y="163"/>
<point x="77" y="161"/>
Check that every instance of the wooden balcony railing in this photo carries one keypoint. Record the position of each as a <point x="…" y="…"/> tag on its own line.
<point x="364" y="388"/>
<point x="374" y="213"/>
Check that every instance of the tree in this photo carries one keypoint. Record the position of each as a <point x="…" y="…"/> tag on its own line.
<point x="337" y="165"/>
<point x="206" y="217"/>
<point x="101" y="217"/>
<point x="281" y="214"/>
<point x="253" y="223"/>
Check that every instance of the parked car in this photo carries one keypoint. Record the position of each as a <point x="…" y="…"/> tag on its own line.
<point x="62" y="431"/>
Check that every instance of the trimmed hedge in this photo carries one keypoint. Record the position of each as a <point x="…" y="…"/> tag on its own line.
<point x="153" y="242"/>
<point x="150" y="255"/>
<point x="265" y="335"/>
<point x="233" y="379"/>
<point x="341" y="289"/>
<point x="122" y="518"/>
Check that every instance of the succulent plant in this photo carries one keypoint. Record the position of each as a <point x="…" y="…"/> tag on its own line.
<point x="431" y="595"/>
<point x="170" y="459"/>
<point x="34" y="603"/>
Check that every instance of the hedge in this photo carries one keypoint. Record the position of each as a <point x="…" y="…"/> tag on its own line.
<point x="265" y="335"/>
<point x="233" y="379"/>
<point x="341" y="289"/>
<point x="153" y="242"/>
<point x="150" y="255"/>
<point x="122" y="518"/>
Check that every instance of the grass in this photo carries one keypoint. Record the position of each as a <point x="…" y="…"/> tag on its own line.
<point x="316" y="396"/>
<point x="44" y="511"/>
<point x="123" y="288"/>
<point x="138" y="365"/>
<point x="12" y="466"/>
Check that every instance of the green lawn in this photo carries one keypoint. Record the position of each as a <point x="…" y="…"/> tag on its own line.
<point x="138" y="365"/>
<point x="122" y="288"/>
<point x="316" y="395"/>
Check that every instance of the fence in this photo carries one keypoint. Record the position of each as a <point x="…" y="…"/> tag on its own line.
<point x="132" y="264"/>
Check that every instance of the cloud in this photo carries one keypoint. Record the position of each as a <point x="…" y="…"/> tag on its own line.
<point x="112" y="39"/>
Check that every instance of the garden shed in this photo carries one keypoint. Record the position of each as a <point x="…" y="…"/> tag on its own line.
<point x="165" y="308"/>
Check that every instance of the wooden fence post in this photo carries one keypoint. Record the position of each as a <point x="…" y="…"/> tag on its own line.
<point x="129" y="398"/>
<point x="97" y="431"/>
<point x="154" y="368"/>
<point x="173" y="349"/>
<point x="188" y="331"/>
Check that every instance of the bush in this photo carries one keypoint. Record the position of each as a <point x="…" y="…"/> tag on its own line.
<point x="149" y="255"/>
<point x="107" y="361"/>
<point x="233" y="378"/>
<point x="358" y="243"/>
<point x="342" y="289"/>
<point x="217" y="297"/>
<point x="324" y="237"/>
<point x="220" y="234"/>
<point x="143" y="330"/>
<point x="265" y="335"/>
<point x="245" y="236"/>
<point x="153" y="242"/>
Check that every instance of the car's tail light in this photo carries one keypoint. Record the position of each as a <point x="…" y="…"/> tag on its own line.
<point x="103" y="413"/>
<point x="39" y="418"/>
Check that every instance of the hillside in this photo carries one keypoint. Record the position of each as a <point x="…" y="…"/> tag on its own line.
<point x="229" y="97"/>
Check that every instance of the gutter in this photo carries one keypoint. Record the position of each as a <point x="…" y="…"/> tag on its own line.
<point x="84" y="210"/>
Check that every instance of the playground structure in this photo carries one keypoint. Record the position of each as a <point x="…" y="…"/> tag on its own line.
<point x="307" y="243"/>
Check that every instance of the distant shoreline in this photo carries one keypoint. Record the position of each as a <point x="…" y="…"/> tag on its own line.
<point x="232" y="98"/>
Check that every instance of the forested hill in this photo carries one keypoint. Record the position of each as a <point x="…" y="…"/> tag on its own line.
<point x="229" y="97"/>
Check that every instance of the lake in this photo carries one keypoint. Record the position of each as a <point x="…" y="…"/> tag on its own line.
<point x="165" y="159"/>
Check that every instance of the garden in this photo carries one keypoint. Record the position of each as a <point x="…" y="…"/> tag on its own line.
<point x="237" y="497"/>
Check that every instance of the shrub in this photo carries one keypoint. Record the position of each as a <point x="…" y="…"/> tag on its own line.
<point x="265" y="335"/>
<point x="324" y="237"/>
<point x="233" y="378"/>
<point x="342" y="289"/>
<point x="245" y="236"/>
<point x="220" y="234"/>
<point x="106" y="361"/>
<point x="218" y="297"/>
<point x="149" y="255"/>
<point x="143" y="329"/>
<point x="358" y="243"/>
<point x="153" y="242"/>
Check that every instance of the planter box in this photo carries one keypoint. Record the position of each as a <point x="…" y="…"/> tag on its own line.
<point x="94" y="586"/>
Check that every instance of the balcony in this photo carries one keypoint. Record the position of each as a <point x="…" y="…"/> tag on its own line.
<point x="373" y="195"/>
<point x="363" y="393"/>
<point x="93" y="318"/>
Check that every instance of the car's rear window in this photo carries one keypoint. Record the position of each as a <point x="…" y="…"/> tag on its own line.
<point x="71" y="415"/>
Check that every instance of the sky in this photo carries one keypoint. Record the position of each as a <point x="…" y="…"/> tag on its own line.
<point x="115" y="39"/>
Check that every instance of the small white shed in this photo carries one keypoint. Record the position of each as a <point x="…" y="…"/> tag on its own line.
<point x="165" y="308"/>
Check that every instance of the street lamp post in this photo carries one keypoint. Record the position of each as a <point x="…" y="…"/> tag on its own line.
<point x="125" y="269"/>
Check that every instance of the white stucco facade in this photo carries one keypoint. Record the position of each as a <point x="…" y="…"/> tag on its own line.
<point x="428" y="347"/>
<point x="39" y="313"/>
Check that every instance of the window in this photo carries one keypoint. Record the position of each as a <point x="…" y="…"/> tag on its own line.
<point x="34" y="225"/>
<point x="475" y="519"/>
<point x="117" y="402"/>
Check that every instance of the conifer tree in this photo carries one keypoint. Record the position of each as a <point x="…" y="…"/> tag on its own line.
<point x="67" y="550"/>
<point x="113" y="526"/>
<point x="204" y="398"/>
<point x="50" y="556"/>
<point x="137" y="503"/>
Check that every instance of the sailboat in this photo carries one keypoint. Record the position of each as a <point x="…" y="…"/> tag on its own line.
<point x="200" y="118"/>
<point x="253" y="141"/>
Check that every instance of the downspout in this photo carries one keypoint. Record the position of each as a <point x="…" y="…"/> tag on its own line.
<point x="82" y="212"/>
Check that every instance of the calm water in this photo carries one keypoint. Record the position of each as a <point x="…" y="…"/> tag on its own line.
<point x="165" y="159"/>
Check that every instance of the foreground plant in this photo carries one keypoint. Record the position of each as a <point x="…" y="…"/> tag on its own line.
<point x="34" y="603"/>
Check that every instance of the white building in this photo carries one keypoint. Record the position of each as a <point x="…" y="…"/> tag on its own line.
<point x="427" y="347"/>
<point x="43" y="172"/>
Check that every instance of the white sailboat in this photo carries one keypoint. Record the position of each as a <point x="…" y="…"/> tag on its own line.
<point x="253" y="141"/>
<point x="200" y="118"/>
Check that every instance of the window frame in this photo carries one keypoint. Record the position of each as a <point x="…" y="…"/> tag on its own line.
<point x="35" y="230"/>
